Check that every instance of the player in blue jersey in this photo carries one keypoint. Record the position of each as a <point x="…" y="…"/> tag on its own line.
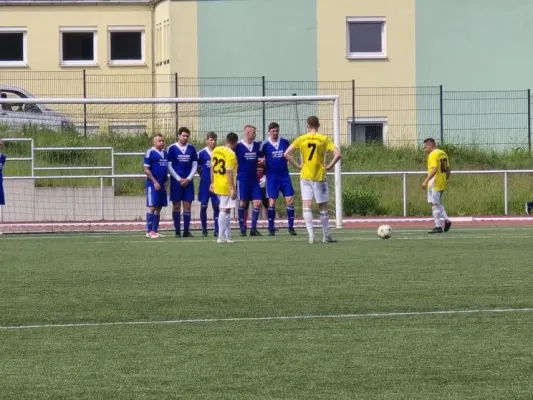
<point x="248" y="154"/>
<point x="204" y="195"/>
<point x="277" y="177"/>
<point x="182" y="165"/>
<point x="156" y="170"/>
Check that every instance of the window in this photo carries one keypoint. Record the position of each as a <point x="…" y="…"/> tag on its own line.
<point x="371" y="130"/>
<point x="366" y="37"/>
<point x="13" y="51"/>
<point x="126" y="45"/>
<point x="78" y="46"/>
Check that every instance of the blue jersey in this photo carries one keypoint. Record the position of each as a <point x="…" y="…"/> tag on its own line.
<point x="275" y="164"/>
<point x="247" y="156"/>
<point x="2" y="163"/>
<point x="157" y="161"/>
<point x="183" y="160"/>
<point x="204" y="163"/>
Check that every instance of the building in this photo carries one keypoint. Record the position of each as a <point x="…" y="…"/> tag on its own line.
<point x="385" y="58"/>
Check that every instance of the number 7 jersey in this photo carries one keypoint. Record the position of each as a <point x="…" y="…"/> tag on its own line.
<point x="313" y="148"/>
<point x="222" y="160"/>
<point x="438" y="159"/>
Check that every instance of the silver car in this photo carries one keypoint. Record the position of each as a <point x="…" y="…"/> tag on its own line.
<point x="18" y="116"/>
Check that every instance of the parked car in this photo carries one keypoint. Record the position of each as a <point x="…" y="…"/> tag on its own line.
<point x="18" y="116"/>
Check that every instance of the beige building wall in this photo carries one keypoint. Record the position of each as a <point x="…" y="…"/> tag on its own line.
<point x="394" y="71"/>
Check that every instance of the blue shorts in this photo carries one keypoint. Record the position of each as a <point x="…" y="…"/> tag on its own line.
<point x="155" y="198"/>
<point x="249" y="189"/>
<point x="179" y="193"/>
<point x="204" y="195"/>
<point x="274" y="185"/>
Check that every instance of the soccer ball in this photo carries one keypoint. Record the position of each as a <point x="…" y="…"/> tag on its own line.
<point x="385" y="231"/>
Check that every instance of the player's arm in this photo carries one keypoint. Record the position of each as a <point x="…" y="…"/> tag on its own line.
<point x="212" y="176"/>
<point x="193" y="171"/>
<point x="229" y="176"/>
<point x="432" y="172"/>
<point x="290" y="158"/>
<point x="336" y="158"/>
<point x="150" y="176"/>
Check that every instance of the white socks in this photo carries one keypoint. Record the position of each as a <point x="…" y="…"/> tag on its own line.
<point x="437" y="215"/>
<point x="308" y="217"/>
<point x="324" y="220"/>
<point x="222" y="217"/>
<point x="443" y="214"/>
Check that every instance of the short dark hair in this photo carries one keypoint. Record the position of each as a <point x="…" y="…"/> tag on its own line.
<point x="211" y="135"/>
<point x="183" y="129"/>
<point x="273" y="125"/>
<point x="232" y="137"/>
<point x="313" y="122"/>
<point x="430" y="140"/>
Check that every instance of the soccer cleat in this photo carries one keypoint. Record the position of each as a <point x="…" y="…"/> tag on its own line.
<point x="255" y="233"/>
<point x="187" y="234"/>
<point x="230" y="241"/>
<point x="436" y="230"/>
<point x="147" y="235"/>
<point x="272" y="232"/>
<point x="243" y="233"/>
<point x="221" y="240"/>
<point x="215" y="234"/>
<point x="160" y="235"/>
<point x="329" y="239"/>
<point x="178" y="234"/>
<point x="292" y="232"/>
<point x="204" y="233"/>
<point x="152" y="235"/>
<point x="447" y="225"/>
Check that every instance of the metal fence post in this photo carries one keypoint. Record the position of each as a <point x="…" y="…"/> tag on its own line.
<point x="84" y="75"/>
<point x="404" y="184"/>
<point x="102" y="211"/>
<point x="506" y="192"/>
<point x="529" y="120"/>
<point x="176" y="94"/>
<point x="352" y="127"/>
<point x="441" y="108"/>
<point x="263" y="93"/>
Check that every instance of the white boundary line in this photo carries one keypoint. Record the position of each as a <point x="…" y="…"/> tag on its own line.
<point x="280" y="318"/>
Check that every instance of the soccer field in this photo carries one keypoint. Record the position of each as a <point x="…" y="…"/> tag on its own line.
<point x="117" y="316"/>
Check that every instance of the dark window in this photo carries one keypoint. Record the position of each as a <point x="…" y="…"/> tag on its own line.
<point x="11" y="46"/>
<point x="78" y="46"/>
<point x="367" y="133"/>
<point x="365" y="37"/>
<point x="126" y="46"/>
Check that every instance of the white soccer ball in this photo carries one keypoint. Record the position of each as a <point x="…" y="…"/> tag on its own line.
<point x="385" y="231"/>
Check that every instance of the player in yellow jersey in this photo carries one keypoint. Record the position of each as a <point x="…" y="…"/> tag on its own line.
<point x="223" y="170"/>
<point x="313" y="147"/>
<point x="436" y="183"/>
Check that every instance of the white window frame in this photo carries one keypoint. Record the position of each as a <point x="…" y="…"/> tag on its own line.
<point x="24" y="62"/>
<point x="126" y="28"/>
<point x="367" y="55"/>
<point x="369" y="120"/>
<point x="79" y="63"/>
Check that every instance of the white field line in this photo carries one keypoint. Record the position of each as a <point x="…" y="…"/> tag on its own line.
<point x="279" y="318"/>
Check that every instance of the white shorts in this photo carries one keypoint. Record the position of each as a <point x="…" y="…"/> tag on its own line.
<point x="227" y="202"/>
<point x="318" y="190"/>
<point x="434" y="197"/>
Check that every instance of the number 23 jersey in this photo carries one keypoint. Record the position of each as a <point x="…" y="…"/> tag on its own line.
<point x="438" y="159"/>
<point x="313" y="148"/>
<point x="222" y="160"/>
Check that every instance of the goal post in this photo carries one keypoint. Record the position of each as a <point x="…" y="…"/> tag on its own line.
<point x="140" y="118"/>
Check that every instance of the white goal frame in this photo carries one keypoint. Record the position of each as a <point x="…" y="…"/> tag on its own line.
<point x="334" y="99"/>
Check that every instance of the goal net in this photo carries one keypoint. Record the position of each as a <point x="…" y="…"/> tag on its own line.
<point x="77" y="164"/>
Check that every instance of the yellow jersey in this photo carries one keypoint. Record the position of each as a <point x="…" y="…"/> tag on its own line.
<point x="313" y="148"/>
<point x="222" y="160"/>
<point x="439" y="159"/>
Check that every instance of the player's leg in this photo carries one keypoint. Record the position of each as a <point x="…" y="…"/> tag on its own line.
<point x="272" y="192"/>
<point x="321" y="193"/>
<point x="444" y="215"/>
<point x="287" y="190"/>
<point x="434" y="200"/>
<point x="150" y="204"/>
<point x="306" y="189"/>
<point x="243" y="205"/>
<point x="188" y="198"/>
<point x="203" y="199"/>
<point x="215" y="203"/>
<point x="175" y="198"/>
<point x="160" y="203"/>
<point x="256" y="201"/>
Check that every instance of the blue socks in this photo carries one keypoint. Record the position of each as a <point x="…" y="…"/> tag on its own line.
<point x="271" y="218"/>
<point x="176" y="217"/>
<point x="290" y="216"/>
<point x="186" y="221"/>
<point x="149" y="222"/>
<point x="255" y="217"/>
